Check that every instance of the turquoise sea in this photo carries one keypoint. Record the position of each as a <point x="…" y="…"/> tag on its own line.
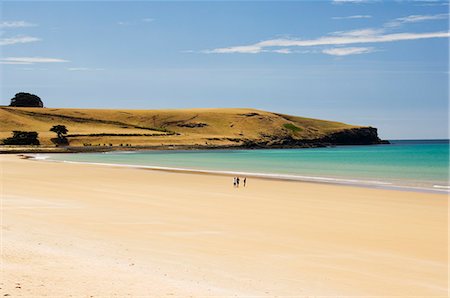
<point x="414" y="164"/>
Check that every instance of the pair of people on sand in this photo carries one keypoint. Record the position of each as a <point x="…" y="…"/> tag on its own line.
<point x="237" y="180"/>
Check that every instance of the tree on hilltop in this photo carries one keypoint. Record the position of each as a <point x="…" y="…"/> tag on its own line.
<point x="23" y="99"/>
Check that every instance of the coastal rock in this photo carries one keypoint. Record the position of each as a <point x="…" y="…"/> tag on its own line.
<point x="354" y="136"/>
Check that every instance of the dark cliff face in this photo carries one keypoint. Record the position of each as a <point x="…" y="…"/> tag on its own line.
<point x="352" y="136"/>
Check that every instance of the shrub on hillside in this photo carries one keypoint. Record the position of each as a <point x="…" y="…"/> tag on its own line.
<point x="22" y="138"/>
<point x="292" y="127"/>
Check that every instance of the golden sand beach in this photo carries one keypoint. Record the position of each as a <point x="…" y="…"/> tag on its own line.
<point x="95" y="231"/>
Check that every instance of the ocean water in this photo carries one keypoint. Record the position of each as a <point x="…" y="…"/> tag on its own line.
<point x="418" y="164"/>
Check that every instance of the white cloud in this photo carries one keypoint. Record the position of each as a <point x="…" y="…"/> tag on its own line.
<point x="360" y="32"/>
<point x="15" y="24"/>
<point x="283" y="51"/>
<point x="347" y="51"/>
<point x="339" y="38"/>
<point x="30" y="60"/>
<point x="251" y="49"/>
<point x="12" y="62"/>
<point x="415" y="19"/>
<point x="147" y="20"/>
<point x="353" y="17"/>
<point x="17" y="39"/>
<point x="344" y="38"/>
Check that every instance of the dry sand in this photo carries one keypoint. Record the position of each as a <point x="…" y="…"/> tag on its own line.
<point x="85" y="230"/>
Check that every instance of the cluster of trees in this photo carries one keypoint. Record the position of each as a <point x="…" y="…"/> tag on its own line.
<point x="31" y="137"/>
<point x="23" y="99"/>
<point x="22" y="138"/>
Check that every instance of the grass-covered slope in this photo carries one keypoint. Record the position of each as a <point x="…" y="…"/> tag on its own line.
<point x="196" y="127"/>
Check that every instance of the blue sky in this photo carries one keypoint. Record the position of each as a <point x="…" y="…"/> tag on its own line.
<point x="378" y="63"/>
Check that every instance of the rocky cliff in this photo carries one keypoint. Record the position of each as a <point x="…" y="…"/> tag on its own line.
<point x="351" y="136"/>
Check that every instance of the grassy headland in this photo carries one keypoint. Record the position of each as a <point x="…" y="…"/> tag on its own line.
<point x="184" y="128"/>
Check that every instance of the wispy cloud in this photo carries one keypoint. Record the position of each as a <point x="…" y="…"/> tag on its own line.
<point x="84" y="69"/>
<point x="415" y="19"/>
<point x="431" y="3"/>
<point x="17" y="39"/>
<point x="348" y="51"/>
<point x="135" y="22"/>
<point x="251" y="49"/>
<point x="344" y="38"/>
<point x="283" y="51"/>
<point x="359" y="32"/>
<point x="30" y="60"/>
<point x="339" y="38"/>
<point x="16" y="24"/>
<point x="352" y="17"/>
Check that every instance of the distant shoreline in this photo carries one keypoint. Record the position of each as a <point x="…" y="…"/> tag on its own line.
<point x="98" y="149"/>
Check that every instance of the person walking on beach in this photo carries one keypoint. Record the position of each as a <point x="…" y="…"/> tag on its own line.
<point x="237" y="181"/>
<point x="234" y="181"/>
<point x="245" y="181"/>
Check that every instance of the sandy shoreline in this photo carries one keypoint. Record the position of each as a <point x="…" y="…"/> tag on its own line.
<point x="82" y="230"/>
<point x="438" y="189"/>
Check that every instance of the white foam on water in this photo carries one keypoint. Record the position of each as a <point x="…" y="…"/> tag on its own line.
<point x="39" y="156"/>
<point x="119" y="152"/>
<point x="442" y="186"/>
